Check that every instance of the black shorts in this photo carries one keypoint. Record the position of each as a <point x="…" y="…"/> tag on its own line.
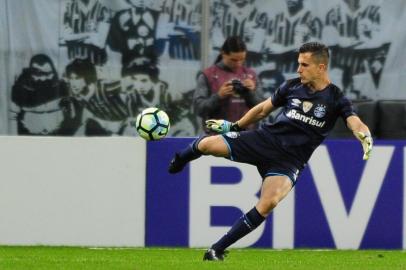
<point x="261" y="150"/>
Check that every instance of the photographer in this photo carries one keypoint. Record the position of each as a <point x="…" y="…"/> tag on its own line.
<point x="227" y="89"/>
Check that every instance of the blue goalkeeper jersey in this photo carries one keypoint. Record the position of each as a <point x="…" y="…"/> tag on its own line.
<point x="307" y="117"/>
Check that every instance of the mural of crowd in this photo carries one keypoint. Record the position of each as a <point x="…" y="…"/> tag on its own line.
<point x="86" y="99"/>
<point x="351" y="29"/>
<point x="114" y="58"/>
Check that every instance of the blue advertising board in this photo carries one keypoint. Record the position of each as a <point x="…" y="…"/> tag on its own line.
<point x="340" y="201"/>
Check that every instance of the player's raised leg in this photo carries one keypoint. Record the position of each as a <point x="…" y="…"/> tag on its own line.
<point x="205" y="145"/>
<point x="274" y="189"/>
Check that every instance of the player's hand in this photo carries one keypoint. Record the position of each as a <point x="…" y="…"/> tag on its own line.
<point x="367" y="142"/>
<point x="222" y="126"/>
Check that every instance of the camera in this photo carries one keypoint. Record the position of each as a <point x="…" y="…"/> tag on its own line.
<point x="238" y="87"/>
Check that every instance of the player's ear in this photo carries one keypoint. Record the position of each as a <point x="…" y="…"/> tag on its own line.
<point x="322" y="67"/>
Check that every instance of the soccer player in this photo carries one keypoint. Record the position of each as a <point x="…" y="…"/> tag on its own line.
<point x="310" y="105"/>
<point x="104" y="107"/>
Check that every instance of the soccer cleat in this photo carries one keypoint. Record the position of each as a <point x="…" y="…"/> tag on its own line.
<point x="214" y="255"/>
<point x="176" y="165"/>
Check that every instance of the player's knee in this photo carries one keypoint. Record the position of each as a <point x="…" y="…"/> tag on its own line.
<point x="266" y="206"/>
<point x="272" y="203"/>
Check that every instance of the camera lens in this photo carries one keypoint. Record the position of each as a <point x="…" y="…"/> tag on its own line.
<point x="237" y="86"/>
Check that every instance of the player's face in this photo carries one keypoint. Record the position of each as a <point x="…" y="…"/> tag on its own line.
<point x="309" y="70"/>
<point x="77" y="84"/>
<point x="234" y="60"/>
<point x="42" y="72"/>
<point x="142" y="83"/>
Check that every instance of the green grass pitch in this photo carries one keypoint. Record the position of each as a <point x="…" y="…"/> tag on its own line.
<point x="40" y="257"/>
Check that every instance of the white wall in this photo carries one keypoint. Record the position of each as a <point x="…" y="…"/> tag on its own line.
<point x="72" y="191"/>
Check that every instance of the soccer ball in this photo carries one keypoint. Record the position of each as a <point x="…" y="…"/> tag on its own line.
<point x="152" y="124"/>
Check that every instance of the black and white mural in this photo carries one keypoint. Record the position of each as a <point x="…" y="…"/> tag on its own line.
<point x="104" y="62"/>
<point x="360" y="35"/>
<point x="88" y="67"/>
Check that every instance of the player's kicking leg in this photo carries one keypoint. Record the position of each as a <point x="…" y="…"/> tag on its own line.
<point x="274" y="189"/>
<point x="206" y="145"/>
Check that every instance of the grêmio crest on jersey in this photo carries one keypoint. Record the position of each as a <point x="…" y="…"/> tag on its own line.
<point x="320" y="111"/>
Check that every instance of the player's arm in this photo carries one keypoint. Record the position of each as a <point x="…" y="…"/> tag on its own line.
<point x="362" y="133"/>
<point x="255" y="114"/>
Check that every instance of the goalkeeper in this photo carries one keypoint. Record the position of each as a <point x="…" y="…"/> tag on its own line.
<point x="310" y="105"/>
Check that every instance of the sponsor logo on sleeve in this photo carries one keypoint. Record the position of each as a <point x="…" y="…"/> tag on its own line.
<point x="232" y="134"/>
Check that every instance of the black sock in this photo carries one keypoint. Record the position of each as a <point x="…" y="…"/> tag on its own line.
<point x="191" y="152"/>
<point x="241" y="228"/>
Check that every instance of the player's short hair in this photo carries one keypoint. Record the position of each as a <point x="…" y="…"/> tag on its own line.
<point x="318" y="50"/>
<point x="83" y="68"/>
